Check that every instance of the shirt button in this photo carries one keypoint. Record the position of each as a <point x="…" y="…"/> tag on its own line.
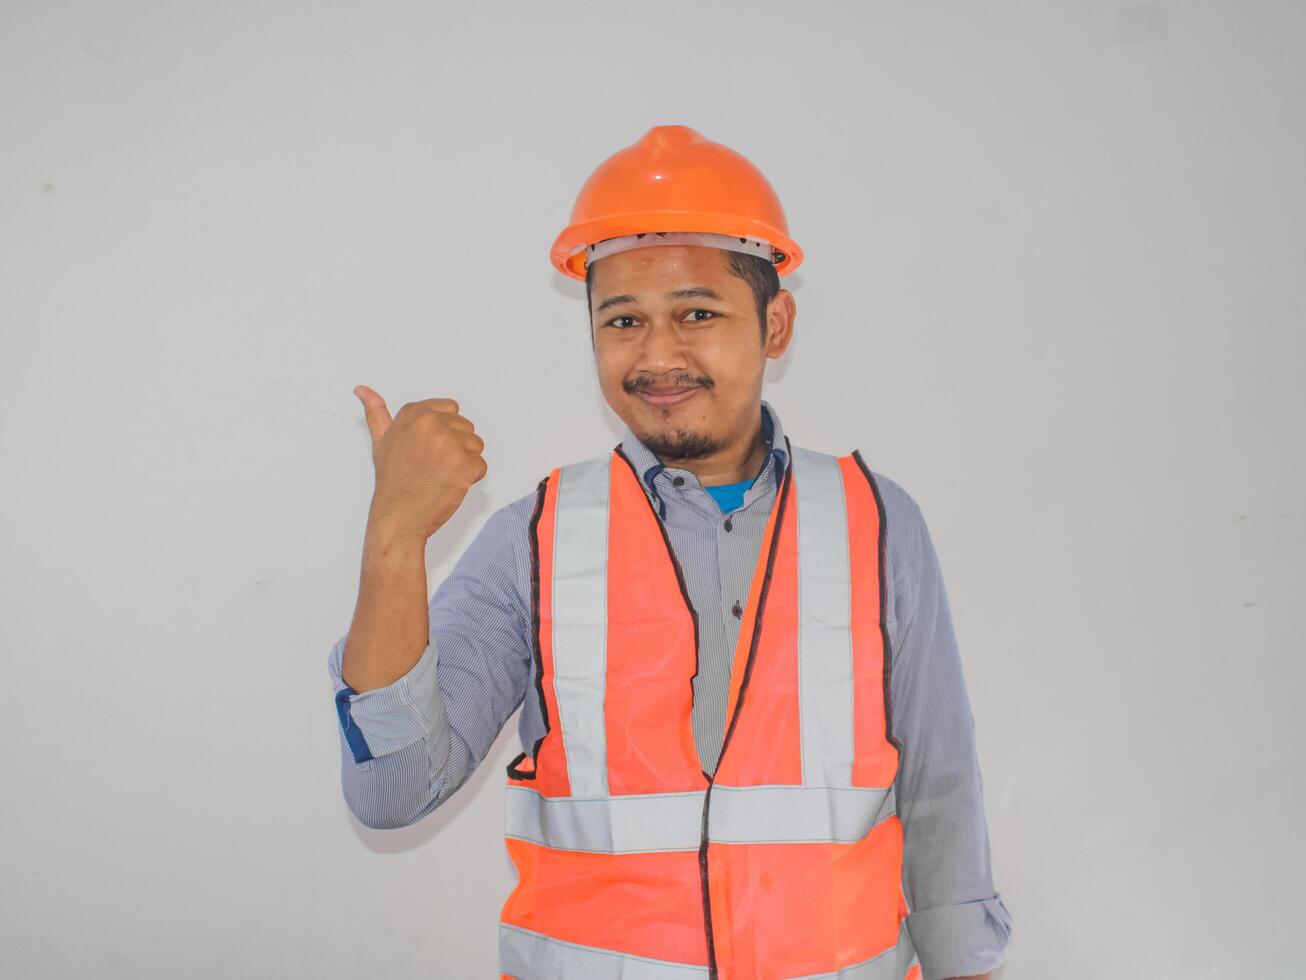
<point x="728" y="526"/>
<point x="737" y="609"/>
<point x="678" y="481"/>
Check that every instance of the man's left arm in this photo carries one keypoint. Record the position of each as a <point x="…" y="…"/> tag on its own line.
<point x="958" y="923"/>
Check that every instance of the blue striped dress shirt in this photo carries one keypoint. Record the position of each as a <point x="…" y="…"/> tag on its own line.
<point x="407" y="747"/>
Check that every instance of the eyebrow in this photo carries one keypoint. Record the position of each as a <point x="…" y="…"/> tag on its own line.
<point x="689" y="292"/>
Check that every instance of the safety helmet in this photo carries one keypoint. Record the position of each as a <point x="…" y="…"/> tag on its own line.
<point x="672" y="186"/>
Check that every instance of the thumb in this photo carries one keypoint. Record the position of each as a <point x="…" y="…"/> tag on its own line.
<point x="377" y="415"/>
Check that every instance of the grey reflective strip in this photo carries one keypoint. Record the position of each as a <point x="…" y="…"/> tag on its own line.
<point x="673" y="821"/>
<point x="778" y="814"/>
<point x="892" y="964"/>
<point x="617" y="824"/>
<point x="528" y="955"/>
<point x="825" y="666"/>
<point x="580" y="620"/>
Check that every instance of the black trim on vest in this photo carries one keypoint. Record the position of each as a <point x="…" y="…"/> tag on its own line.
<point x="884" y="629"/>
<point x="739" y="703"/>
<point x="675" y="563"/>
<point x="513" y="771"/>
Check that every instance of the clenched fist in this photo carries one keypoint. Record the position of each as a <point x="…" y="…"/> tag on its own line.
<point x="427" y="457"/>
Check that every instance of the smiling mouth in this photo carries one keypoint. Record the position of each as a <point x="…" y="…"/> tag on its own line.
<point x="668" y="397"/>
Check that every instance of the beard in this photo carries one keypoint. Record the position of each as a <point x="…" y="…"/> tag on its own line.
<point x="681" y="444"/>
<point x="678" y="443"/>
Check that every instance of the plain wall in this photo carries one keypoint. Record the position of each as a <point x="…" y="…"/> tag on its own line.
<point x="1053" y="286"/>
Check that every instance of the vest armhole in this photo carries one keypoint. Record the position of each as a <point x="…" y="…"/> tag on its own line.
<point x="513" y="770"/>
<point x="881" y="549"/>
<point x="516" y="773"/>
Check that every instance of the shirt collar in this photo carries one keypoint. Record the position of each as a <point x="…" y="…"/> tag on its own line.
<point x="649" y="466"/>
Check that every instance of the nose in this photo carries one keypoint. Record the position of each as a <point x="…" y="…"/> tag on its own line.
<point x="662" y="348"/>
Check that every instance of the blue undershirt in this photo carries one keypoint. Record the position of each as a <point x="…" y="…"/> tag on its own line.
<point x="729" y="496"/>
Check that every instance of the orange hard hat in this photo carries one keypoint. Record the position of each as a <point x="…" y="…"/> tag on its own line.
<point x="675" y="180"/>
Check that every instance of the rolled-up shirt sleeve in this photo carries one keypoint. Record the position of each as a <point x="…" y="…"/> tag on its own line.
<point x="388" y="719"/>
<point x="407" y="747"/>
<point x="958" y="923"/>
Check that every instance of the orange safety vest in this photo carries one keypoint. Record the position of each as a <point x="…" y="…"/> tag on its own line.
<point x="635" y="864"/>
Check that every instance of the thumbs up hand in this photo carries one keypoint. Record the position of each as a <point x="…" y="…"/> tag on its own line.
<point x="427" y="457"/>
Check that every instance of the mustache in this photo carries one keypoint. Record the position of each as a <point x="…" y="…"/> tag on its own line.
<point x="681" y="380"/>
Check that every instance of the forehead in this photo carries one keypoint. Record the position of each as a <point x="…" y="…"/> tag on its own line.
<point x="661" y="268"/>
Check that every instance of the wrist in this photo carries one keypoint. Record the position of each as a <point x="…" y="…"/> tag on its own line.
<point x="390" y="537"/>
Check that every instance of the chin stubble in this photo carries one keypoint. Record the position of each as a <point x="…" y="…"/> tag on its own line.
<point x="680" y="444"/>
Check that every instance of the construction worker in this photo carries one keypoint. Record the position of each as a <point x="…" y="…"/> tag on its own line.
<point x="747" y="748"/>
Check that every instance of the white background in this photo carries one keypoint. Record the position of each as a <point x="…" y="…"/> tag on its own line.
<point x="1053" y="286"/>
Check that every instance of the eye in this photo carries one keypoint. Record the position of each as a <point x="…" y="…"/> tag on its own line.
<point x="708" y="312"/>
<point x="613" y="322"/>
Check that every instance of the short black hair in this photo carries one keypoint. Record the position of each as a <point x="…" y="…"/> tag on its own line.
<point x="758" y="272"/>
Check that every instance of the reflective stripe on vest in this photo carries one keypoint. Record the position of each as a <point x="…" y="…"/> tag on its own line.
<point x="784" y="862"/>
<point x="673" y="821"/>
<point x="579" y="641"/>
<point x="825" y="710"/>
<point x="526" y="954"/>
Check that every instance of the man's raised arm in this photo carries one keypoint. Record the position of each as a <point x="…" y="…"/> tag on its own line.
<point x="426" y="460"/>
<point x="401" y="755"/>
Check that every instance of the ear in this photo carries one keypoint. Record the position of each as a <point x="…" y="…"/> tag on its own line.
<point x="780" y="313"/>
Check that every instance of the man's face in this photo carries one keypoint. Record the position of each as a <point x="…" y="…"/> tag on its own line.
<point x="678" y="346"/>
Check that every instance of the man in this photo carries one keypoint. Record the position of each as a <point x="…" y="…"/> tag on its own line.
<point x="747" y="749"/>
